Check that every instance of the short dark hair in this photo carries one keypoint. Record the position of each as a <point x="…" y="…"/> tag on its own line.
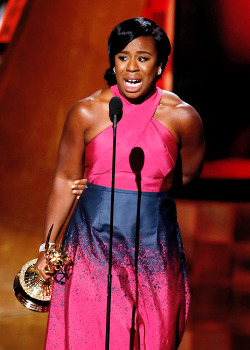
<point x="127" y="31"/>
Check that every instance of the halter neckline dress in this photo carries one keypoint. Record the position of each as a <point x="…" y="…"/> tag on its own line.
<point x="150" y="295"/>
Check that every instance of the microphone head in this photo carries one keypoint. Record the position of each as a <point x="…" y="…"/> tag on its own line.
<point x="115" y="109"/>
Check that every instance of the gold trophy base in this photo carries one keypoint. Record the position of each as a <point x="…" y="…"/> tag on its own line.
<point x="32" y="292"/>
<point x="30" y="288"/>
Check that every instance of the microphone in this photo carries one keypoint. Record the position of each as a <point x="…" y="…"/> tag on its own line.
<point x="115" y="109"/>
<point x="115" y="115"/>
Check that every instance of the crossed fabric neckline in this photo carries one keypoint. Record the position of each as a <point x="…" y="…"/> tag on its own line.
<point x="129" y="129"/>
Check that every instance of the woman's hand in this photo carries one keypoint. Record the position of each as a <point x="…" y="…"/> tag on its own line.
<point x="40" y="266"/>
<point x="78" y="187"/>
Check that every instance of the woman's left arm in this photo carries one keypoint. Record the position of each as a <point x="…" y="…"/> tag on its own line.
<point x="192" y="144"/>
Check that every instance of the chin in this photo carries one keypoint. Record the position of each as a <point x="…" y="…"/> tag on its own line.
<point x="134" y="97"/>
<point x="139" y="96"/>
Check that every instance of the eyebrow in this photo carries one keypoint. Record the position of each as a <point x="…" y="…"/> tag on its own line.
<point x="140" y="52"/>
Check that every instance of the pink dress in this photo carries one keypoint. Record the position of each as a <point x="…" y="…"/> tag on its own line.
<point x="150" y="296"/>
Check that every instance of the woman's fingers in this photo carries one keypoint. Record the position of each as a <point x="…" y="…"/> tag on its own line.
<point x="78" y="191"/>
<point x="41" y="266"/>
<point x="44" y="275"/>
<point x="78" y="187"/>
<point x="80" y="182"/>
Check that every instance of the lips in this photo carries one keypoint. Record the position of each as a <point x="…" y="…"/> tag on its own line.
<point x="132" y="85"/>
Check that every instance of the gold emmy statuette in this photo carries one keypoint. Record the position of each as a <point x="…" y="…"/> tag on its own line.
<point x="30" y="288"/>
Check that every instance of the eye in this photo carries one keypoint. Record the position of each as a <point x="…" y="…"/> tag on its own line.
<point x="122" y="58"/>
<point x="143" y="59"/>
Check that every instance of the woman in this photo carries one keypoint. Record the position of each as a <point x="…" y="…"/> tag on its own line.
<point x="150" y="296"/>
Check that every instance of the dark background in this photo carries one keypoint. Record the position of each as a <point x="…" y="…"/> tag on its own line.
<point x="212" y="71"/>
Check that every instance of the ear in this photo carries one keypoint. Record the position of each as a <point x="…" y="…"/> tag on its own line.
<point x="159" y="72"/>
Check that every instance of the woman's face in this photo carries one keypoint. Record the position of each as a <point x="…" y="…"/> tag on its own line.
<point x="136" y="69"/>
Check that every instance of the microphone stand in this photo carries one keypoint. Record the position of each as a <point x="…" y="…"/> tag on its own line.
<point x="111" y="238"/>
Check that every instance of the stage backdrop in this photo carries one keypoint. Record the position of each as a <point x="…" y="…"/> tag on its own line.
<point x="57" y="55"/>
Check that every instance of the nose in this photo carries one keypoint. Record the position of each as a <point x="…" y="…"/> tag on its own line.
<point x="132" y="65"/>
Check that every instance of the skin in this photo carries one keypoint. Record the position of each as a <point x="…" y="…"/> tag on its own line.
<point x="139" y="61"/>
<point x="89" y="117"/>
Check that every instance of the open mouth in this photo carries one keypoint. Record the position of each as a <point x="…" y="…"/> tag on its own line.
<point x="132" y="84"/>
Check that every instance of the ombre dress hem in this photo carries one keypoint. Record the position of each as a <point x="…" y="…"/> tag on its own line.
<point x="150" y="294"/>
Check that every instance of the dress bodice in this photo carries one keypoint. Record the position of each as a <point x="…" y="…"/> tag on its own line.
<point x="146" y="151"/>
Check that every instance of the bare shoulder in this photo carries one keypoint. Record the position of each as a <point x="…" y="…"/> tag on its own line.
<point x="89" y="108"/>
<point x="181" y="111"/>
<point x="179" y="116"/>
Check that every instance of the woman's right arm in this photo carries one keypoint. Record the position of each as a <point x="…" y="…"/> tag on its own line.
<point x="69" y="167"/>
